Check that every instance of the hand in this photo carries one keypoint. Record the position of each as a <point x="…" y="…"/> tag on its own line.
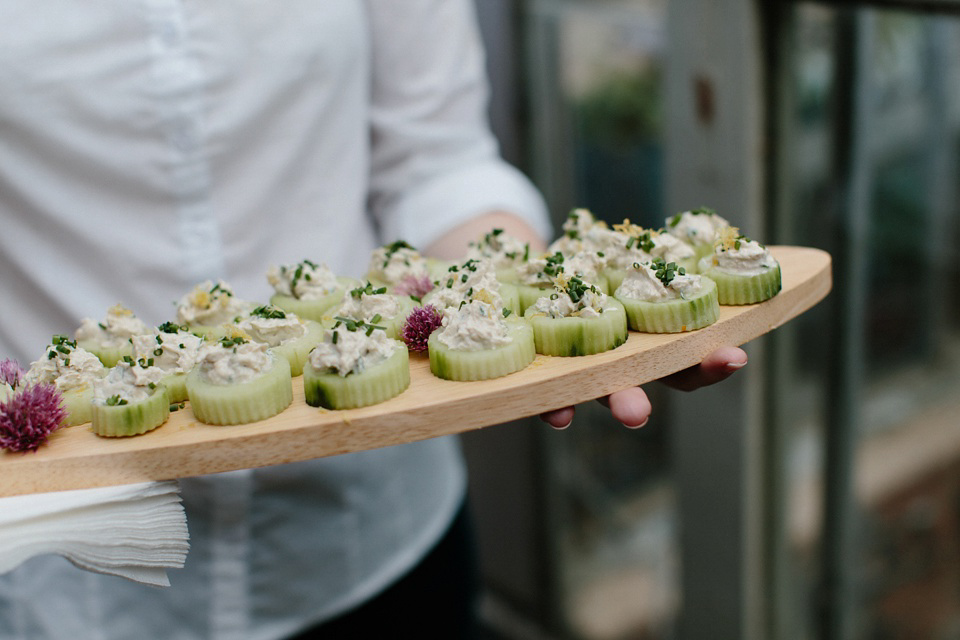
<point x="632" y="407"/>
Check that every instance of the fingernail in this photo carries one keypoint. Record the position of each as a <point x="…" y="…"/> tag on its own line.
<point x="733" y="366"/>
<point x="637" y="426"/>
<point x="564" y="426"/>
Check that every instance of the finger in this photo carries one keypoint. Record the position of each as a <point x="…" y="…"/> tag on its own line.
<point x="719" y="365"/>
<point x="631" y="407"/>
<point x="559" y="418"/>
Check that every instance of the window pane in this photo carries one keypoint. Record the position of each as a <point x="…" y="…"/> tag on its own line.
<point x="870" y="148"/>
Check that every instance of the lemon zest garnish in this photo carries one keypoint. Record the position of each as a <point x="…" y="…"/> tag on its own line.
<point x="561" y="282"/>
<point x="628" y="228"/>
<point x="200" y="299"/>
<point x="119" y="310"/>
<point x="727" y="237"/>
<point x="233" y="331"/>
<point x="483" y="295"/>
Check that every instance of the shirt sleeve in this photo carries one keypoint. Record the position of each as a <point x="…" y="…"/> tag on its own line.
<point x="435" y="162"/>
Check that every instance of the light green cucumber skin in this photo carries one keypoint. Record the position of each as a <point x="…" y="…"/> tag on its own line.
<point x="614" y="277"/>
<point x="737" y="290"/>
<point x="453" y="364"/>
<point x="109" y="356"/>
<point x="297" y="351"/>
<point x="78" y="403"/>
<point x="176" y="384"/>
<point x="438" y="268"/>
<point x="511" y="297"/>
<point x="529" y="294"/>
<point x="508" y="275"/>
<point x="702" y="250"/>
<point x="574" y="336"/>
<point x="261" y="398"/>
<point x="674" y="316"/>
<point x="315" y="309"/>
<point x="131" y="419"/>
<point x="392" y="325"/>
<point x="209" y="332"/>
<point x="373" y="386"/>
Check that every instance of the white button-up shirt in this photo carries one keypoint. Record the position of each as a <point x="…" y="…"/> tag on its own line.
<point x="147" y="145"/>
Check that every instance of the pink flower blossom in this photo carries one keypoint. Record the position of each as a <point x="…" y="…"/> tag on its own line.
<point x="421" y="322"/>
<point x="10" y="372"/>
<point x="416" y="286"/>
<point x="29" y="416"/>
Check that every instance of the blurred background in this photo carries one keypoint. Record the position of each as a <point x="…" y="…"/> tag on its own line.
<point x="815" y="495"/>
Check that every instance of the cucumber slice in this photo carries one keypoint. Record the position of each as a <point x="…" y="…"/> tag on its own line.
<point x="614" y="278"/>
<point x="529" y="294"/>
<point x="176" y="384"/>
<point x="296" y="351"/>
<point x="263" y="397"/>
<point x="78" y="403"/>
<point x="575" y="336"/>
<point x="511" y="297"/>
<point x="674" y="316"/>
<point x="314" y="309"/>
<point x="109" y="356"/>
<point x="209" y="332"/>
<point x="508" y="275"/>
<point x="734" y="289"/>
<point x="456" y="364"/>
<point x="133" y="418"/>
<point x="372" y="386"/>
<point x="392" y="326"/>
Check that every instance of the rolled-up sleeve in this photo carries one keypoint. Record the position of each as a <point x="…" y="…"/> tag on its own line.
<point x="434" y="162"/>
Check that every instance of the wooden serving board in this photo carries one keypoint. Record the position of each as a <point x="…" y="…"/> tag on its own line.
<point x="75" y="458"/>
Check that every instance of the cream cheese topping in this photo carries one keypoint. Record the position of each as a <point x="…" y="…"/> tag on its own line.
<point x="395" y="262"/>
<point x="210" y="304"/>
<point x="474" y="279"/>
<point x="697" y="226"/>
<point x="584" y="264"/>
<point x="360" y="304"/>
<point x="670" y="248"/>
<point x="737" y="255"/>
<point x="273" y="331"/>
<point x="583" y="232"/>
<point x="501" y="249"/>
<point x="473" y="326"/>
<point x="304" y="280"/>
<point x="115" y="330"/>
<point x="346" y="352"/>
<point x="129" y="381"/>
<point x="171" y="351"/>
<point x="642" y="283"/>
<point x="66" y="365"/>
<point x="233" y="361"/>
<point x="572" y="298"/>
<point x="541" y="269"/>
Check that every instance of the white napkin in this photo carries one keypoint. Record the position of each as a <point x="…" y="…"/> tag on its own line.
<point x="135" y="531"/>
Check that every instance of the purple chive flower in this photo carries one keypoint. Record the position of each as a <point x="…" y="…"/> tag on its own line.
<point x="416" y="286"/>
<point x="29" y="416"/>
<point x="10" y="372"/>
<point x="419" y="325"/>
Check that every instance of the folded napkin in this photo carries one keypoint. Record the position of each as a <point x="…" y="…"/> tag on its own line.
<point x="134" y="531"/>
